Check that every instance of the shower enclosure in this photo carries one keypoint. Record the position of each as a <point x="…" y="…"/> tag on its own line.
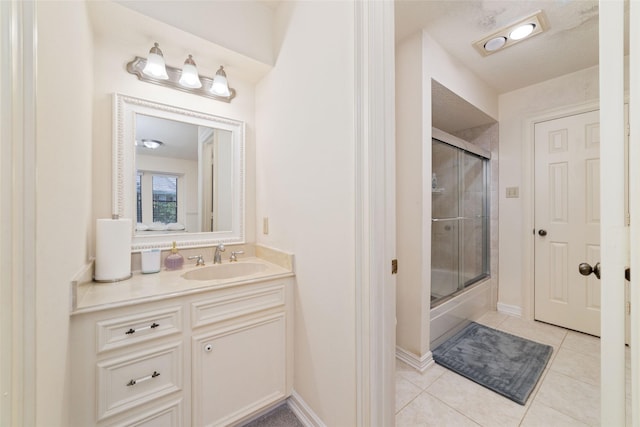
<point x="460" y="218"/>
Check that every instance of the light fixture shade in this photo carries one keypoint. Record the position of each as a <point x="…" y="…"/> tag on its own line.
<point x="155" y="66"/>
<point x="189" y="76"/>
<point x="220" y="86"/>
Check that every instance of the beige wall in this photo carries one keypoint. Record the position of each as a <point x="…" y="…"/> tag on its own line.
<point x="305" y="186"/>
<point x="63" y="188"/>
<point x="241" y="26"/>
<point x="418" y="60"/>
<point x="413" y="129"/>
<point x="450" y="73"/>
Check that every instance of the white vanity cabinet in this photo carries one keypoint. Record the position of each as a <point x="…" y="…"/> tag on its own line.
<point x="239" y="353"/>
<point x="211" y="358"/>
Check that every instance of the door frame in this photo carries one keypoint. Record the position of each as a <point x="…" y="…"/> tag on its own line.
<point x="528" y="194"/>
<point x="18" y="235"/>
<point x="375" y="247"/>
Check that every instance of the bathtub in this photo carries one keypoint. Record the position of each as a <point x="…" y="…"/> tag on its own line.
<point x="453" y="314"/>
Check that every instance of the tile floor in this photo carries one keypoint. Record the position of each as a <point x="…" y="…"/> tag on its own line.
<point x="568" y="394"/>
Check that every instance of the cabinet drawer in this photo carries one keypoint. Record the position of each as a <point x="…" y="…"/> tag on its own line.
<point x="169" y="415"/>
<point x="129" y="381"/>
<point x="131" y="329"/>
<point x="236" y="304"/>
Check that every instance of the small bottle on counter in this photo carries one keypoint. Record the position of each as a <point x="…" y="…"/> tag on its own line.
<point x="174" y="261"/>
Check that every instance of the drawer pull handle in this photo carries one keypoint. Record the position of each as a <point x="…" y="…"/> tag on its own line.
<point x="139" y="380"/>
<point x="133" y="331"/>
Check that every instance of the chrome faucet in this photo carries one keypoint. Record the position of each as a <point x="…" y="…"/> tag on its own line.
<point x="199" y="260"/>
<point x="233" y="257"/>
<point x="217" y="257"/>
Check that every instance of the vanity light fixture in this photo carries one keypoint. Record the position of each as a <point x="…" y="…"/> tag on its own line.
<point x="155" y="66"/>
<point x="512" y="34"/>
<point x="220" y="86"/>
<point x="187" y="80"/>
<point x="189" y="76"/>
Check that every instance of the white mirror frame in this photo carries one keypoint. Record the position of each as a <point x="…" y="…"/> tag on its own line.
<point x="123" y="171"/>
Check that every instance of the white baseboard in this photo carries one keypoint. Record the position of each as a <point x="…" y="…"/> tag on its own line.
<point x="418" y="363"/>
<point x="303" y="411"/>
<point x="511" y="310"/>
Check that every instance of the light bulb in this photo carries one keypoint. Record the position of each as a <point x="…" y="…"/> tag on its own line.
<point x="522" y="31"/>
<point x="495" y="44"/>
<point x="220" y="86"/>
<point x="155" y="66"/>
<point x="189" y="77"/>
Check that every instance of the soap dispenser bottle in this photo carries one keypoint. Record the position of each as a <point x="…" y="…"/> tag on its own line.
<point x="174" y="261"/>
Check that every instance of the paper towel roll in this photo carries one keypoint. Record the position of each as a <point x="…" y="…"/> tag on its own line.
<point x="113" y="250"/>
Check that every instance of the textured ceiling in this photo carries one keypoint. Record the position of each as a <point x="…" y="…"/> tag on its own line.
<point x="569" y="44"/>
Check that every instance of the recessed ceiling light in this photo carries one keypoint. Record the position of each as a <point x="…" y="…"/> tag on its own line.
<point x="511" y="34"/>
<point x="495" y="43"/>
<point x="522" y="31"/>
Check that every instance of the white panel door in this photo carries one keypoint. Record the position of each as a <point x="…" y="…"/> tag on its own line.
<point x="567" y="220"/>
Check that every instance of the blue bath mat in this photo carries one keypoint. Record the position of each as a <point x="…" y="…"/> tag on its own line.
<point x="504" y="363"/>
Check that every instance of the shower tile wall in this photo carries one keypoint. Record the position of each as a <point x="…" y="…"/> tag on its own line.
<point x="487" y="137"/>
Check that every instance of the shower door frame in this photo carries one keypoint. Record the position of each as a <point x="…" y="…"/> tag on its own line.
<point x="485" y="156"/>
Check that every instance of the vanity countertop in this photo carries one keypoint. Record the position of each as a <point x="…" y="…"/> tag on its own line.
<point x="93" y="296"/>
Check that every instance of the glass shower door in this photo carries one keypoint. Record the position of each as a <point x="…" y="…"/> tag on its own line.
<point x="459" y="228"/>
<point x="445" y="229"/>
<point x="474" y="222"/>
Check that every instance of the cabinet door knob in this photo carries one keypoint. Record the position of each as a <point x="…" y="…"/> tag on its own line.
<point x="542" y="232"/>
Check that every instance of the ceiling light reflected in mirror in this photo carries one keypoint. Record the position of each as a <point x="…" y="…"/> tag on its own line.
<point x="151" y="143"/>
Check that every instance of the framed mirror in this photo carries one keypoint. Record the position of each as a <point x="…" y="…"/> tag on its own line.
<point x="178" y="174"/>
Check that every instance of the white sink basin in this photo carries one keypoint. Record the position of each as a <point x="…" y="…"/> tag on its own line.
<point x="225" y="271"/>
